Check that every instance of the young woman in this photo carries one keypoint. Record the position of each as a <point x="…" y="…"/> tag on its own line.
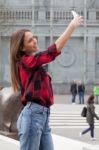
<point x="29" y="76"/>
<point x="90" y="117"/>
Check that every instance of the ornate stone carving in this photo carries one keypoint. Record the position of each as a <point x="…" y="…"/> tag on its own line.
<point x="10" y="107"/>
<point x="67" y="58"/>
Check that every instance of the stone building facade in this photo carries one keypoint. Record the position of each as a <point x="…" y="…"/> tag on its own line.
<point x="47" y="19"/>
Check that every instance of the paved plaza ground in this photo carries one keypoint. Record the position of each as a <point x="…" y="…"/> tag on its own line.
<point x="63" y="105"/>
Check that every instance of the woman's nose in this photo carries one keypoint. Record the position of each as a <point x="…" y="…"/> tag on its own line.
<point x="35" y="40"/>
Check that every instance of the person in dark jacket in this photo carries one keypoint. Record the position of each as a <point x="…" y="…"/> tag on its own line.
<point x="81" y="92"/>
<point x="73" y="90"/>
<point x="90" y="117"/>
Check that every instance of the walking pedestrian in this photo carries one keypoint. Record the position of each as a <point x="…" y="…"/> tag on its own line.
<point x="28" y="75"/>
<point x="96" y="93"/>
<point x="90" y="117"/>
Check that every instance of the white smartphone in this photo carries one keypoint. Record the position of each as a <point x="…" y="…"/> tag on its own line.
<point x="74" y="13"/>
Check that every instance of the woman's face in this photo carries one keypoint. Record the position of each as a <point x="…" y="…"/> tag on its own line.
<point x="30" y="43"/>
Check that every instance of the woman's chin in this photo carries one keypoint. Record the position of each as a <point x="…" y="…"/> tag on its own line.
<point x="36" y="49"/>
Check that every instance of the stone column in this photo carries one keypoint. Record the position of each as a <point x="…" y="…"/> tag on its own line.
<point x="41" y="13"/>
<point x="41" y="42"/>
<point x="91" y="59"/>
<point x="92" y="15"/>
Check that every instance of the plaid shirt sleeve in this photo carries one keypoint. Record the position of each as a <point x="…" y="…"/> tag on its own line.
<point x="41" y="58"/>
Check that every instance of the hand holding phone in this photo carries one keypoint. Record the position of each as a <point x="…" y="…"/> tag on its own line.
<point x="77" y="19"/>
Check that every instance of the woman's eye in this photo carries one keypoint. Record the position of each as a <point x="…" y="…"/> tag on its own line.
<point x="30" y="40"/>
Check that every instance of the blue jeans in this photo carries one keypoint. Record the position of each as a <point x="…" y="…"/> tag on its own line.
<point x="91" y="129"/>
<point x="81" y="97"/>
<point x="73" y="98"/>
<point x="33" y="128"/>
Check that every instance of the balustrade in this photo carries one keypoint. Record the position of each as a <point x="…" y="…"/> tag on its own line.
<point x="60" y="16"/>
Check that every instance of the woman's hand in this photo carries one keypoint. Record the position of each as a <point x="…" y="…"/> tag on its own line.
<point x="62" y="40"/>
<point x="77" y="21"/>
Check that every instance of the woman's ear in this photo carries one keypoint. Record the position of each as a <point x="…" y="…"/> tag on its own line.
<point x="22" y="48"/>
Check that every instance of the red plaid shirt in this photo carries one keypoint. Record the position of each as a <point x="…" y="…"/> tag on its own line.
<point x="35" y="81"/>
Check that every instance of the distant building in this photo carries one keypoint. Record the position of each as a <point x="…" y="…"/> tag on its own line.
<point x="47" y="19"/>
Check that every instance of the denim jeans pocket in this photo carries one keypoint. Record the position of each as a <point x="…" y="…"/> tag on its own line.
<point x="30" y="121"/>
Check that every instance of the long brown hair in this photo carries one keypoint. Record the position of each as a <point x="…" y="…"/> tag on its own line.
<point x="90" y="99"/>
<point x="16" y="47"/>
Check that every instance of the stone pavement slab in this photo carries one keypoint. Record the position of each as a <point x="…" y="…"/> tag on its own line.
<point x="63" y="105"/>
<point x="59" y="143"/>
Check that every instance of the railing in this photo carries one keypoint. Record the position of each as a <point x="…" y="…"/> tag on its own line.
<point x="15" y="16"/>
<point x="60" y="16"/>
